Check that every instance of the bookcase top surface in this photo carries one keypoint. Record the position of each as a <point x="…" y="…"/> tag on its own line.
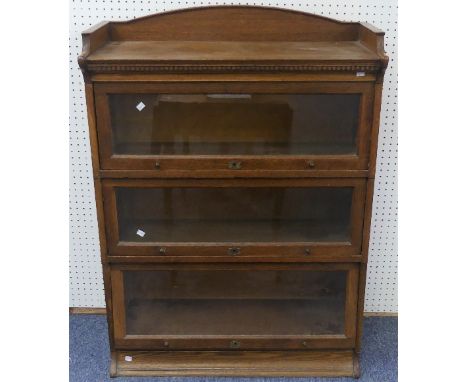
<point x="192" y="51"/>
<point x="234" y="35"/>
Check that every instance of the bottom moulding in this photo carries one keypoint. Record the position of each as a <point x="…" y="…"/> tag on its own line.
<point x="342" y="363"/>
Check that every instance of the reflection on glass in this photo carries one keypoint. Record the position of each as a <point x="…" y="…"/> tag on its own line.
<point x="234" y="302"/>
<point x="234" y="124"/>
<point x="259" y="214"/>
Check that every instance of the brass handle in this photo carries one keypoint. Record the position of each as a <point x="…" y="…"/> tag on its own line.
<point x="233" y="251"/>
<point x="162" y="251"/>
<point x="234" y="344"/>
<point x="157" y="165"/>
<point x="311" y="164"/>
<point x="235" y="165"/>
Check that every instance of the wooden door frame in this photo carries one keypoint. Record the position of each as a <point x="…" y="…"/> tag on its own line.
<point x="212" y="165"/>
<point x="346" y="340"/>
<point x="214" y="251"/>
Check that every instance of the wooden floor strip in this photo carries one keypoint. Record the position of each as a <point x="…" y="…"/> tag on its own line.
<point x="77" y="310"/>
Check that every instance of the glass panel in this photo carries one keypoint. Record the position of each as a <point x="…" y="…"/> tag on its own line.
<point x="234" y="124"/>
<point x="234" y="302"/>
<point x="234" y="214"/>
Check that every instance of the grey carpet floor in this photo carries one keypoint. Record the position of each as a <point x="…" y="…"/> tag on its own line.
<point x="89" y="354"/>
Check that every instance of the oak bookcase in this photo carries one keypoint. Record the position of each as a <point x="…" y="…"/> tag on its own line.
<point x="234" y="152"/>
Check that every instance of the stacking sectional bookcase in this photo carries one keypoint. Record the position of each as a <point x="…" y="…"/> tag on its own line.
<point x="234" y="153"/>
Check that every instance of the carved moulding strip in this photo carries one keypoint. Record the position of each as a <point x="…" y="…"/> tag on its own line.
<point x="204" y="68"/>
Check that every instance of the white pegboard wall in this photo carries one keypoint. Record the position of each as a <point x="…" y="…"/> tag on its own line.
<point x="86" y="286"/>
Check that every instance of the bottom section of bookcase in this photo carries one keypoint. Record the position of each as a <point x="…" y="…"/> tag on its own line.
<point x="343" y="363"/>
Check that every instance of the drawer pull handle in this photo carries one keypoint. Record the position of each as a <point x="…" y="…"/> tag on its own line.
<point x="233" y="251"/>
<point x="157" y="165"/>
<point x="311" y="164"/>
<point x="235" y="165"/>
<point x="307" y="252"/>
<point x="162" y="251"/>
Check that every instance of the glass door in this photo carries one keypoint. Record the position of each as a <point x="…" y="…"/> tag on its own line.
<point x="239" y="218"/>
<point x="235" y="306"/>
<point x="302" y="126"/>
